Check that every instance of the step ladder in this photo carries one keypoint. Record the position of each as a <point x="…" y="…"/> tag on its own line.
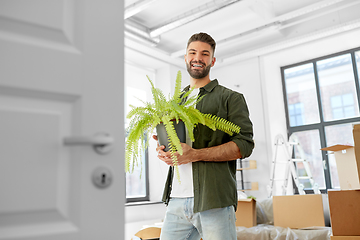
<point x="288" y="147"/>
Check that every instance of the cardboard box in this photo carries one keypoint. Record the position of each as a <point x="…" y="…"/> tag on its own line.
<point x="301" y="211"/>
<point x="348" y="161"/>
<point x="345" y="212"/>
<point x="346" y="164"/>
<point x="344" y="237"/>
<point x="246" y="213"/>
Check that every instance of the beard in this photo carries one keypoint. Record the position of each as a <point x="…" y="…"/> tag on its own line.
<point x="198" y="73"/>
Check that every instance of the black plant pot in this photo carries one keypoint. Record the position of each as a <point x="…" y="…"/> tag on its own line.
<point x="163" y="136"/>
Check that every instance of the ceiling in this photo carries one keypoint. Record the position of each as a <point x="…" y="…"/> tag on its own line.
<point x="156" y="31"/>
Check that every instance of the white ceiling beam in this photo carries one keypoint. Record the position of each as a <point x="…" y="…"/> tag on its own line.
<point x="263" y="8"/>
<point x="322" y="33"/>
<point x="152" y="36"/>
<point x="309" y="9"/>
<point x="191" y="15"/>
<point x="137" y="7"/>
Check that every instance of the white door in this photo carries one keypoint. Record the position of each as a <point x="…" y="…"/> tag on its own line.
<point x="61" y="75"/>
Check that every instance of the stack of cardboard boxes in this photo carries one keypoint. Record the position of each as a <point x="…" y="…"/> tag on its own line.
<point x="301" y="211"/>
<point x="345" y="203"/>
<point x="340" y="207"/>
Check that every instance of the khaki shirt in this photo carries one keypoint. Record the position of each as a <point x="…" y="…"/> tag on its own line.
<point x="215" y="182"/>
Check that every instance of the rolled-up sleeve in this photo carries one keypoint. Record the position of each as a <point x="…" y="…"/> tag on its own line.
<point x="238" y="113"/>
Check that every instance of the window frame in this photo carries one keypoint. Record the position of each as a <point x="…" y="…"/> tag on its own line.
<point x="322" y="124"/>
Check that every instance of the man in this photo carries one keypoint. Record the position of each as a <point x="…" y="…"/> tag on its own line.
<point x="204" y="203"/>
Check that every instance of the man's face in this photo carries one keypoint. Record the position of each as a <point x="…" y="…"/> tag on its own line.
<point x="199" y="59"/>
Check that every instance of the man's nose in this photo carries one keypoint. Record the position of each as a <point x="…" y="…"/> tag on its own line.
<point x="197" y="57"/>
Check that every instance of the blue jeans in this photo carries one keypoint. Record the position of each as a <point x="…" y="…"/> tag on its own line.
<point x="181" y="223"/>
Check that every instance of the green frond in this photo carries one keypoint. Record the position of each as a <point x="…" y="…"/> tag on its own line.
<point x="184" y="95"/>
<point x="157" y="94"/>
<point x="140" y="112"/>
<point x="190" y="130"/>
<point x="177" y="91"/>
<point x="195" y="115"/>
<point x="184" y="115"/>
<point x="221" y="124"/>
<point x="200" y="98"/>
<point x="172" y="151"/>
<point x="172" y="136"/>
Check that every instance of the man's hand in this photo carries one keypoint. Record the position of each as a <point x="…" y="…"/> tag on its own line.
<point x="166" y="156"/>
<point x="225" y="152"/>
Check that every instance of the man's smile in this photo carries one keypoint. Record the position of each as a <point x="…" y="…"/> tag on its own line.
<point x="197" y="65"/>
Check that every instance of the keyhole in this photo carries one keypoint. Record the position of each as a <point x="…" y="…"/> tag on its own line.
<point x="103" y="178"/>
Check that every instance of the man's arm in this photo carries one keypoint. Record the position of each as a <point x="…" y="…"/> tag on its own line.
<point x="224" y="152"/>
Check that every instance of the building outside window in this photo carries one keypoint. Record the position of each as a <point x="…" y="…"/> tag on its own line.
<point x="322" y="104"/>
<point x="296" y="114"/>
<point x="343" y="106"/>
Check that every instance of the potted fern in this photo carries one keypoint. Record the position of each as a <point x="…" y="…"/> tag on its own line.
<point x="175" y="115"/>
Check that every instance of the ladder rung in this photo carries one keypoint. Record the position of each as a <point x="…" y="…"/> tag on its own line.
<point x="305" y="177"/>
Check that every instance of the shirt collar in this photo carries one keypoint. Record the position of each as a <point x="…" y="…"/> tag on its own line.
<point x="208" y="87"/>
<point x="211" y="85"/>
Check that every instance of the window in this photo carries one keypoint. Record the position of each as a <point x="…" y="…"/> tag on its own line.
<point x="136" y="181"/>
<point x="322" y="104"/>
<point x="137" y="90"/>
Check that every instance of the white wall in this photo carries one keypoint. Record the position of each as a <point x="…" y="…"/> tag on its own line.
<point x="244" y="77"/>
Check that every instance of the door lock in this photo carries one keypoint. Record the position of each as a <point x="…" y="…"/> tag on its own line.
<point x="102" y="177"/>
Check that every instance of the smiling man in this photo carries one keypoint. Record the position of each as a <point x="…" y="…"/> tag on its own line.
<point x="199" y="59"/>
<point x="203" y="205"/>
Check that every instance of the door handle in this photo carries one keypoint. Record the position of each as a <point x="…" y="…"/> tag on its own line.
<point x="101" y="142"/>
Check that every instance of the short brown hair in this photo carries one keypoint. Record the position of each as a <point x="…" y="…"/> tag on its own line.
<point x="202" y="37"/>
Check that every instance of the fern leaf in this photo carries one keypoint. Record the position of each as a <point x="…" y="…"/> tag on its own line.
<point x="221" y="124"/>
<point x="177" y="90"/>
<point x="173" y="138"/>
<point x="174" y="160"/>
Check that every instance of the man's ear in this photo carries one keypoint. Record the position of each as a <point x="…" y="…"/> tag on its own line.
<point x="213" y="61"/>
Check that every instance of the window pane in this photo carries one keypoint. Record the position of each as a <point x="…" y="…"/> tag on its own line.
<point x="337" y="134"/>
<point x="348" y="99"/>
<point x="301" y="95"/>
<point x="337" y="88"/>
<point x="309" y="149"/>
<point x="335" y="102"/>
<point x="135" y="181"/>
